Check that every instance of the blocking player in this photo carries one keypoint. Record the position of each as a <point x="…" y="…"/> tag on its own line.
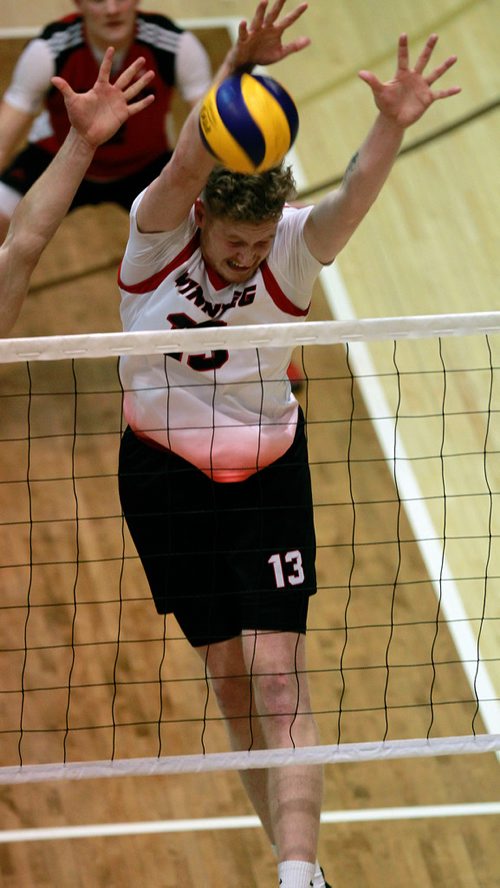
<point x="214" y="476"/>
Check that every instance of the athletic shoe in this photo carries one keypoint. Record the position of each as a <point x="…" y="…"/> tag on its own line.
<point x="310" y="883"/>
<point x="327" y="884"/>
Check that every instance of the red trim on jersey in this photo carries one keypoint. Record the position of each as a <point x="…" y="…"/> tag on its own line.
<point x="276" y="293"/>
<point x="217" y="281"/>
<point x="151" y="283"/>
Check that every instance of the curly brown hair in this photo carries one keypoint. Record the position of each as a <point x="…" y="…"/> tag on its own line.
<point x="249" y="198"/>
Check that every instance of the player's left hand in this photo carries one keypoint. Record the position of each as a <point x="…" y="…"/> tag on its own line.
<point x="406" y="97"/>
<point x="100" y="112"/>
<point x="260" y="42"/>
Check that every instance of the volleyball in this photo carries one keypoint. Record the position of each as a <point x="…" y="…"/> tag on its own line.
<point x="248" y="122"/>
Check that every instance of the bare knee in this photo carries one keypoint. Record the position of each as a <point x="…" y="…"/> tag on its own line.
<point x="283" y="703"/>
<point x="279" y="694"/>
<point x="233" y="695"/>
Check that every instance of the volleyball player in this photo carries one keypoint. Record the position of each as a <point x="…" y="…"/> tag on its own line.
<point x="73" y="48"/>
<point x="94" y="117"/>
<point x="214" y="478"/>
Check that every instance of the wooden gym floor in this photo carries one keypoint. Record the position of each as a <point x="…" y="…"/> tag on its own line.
<point x="429" y="246"/>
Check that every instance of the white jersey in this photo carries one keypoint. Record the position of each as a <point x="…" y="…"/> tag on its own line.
<point x="230" y="413"/>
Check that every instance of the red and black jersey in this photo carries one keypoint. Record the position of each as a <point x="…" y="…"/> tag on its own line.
<point x="143" y="137"/>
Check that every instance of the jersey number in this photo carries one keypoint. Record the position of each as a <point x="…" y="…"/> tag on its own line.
<point x="215" y="360"/>
<point x="291" y="572"/>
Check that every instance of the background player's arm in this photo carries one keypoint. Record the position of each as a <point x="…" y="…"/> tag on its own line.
<point x="170" y="197"/>
<point x="24" y="97"/>
<point x="14" y="127"/>
<point x="193" y="71"/>
<point x="94" y="116"/>
<point x="193" y="78"/>
<point x="401" y="102"/>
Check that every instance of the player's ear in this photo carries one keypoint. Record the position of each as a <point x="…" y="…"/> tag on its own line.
<point x="200" y="213"/>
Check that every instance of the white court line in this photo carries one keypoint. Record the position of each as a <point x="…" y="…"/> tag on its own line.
<point x="249" y="822"/>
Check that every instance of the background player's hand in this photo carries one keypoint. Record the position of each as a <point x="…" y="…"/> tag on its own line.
<point x="260" y="42"/>
<point x="97" y="114"/>
<point x="406" y="97"/>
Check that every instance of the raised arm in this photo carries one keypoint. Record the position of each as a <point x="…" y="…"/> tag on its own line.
<point x="94" y="116"/>
<point x="260" y="42"/>
<point x="400" y="102"/>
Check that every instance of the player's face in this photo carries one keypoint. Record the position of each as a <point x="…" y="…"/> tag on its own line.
<point x="234" y="249"/>
<point x="109" y="22"/>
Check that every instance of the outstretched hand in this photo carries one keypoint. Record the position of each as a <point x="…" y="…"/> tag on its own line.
<point x="100" y="112"/>
<point x="406" y="97"/>
<point x="260" y="42"/>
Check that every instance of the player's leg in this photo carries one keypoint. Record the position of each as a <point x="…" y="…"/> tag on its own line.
<point x="225" y="665"/>
<point x="277" y="662"/>
<point x="287" y="800"/>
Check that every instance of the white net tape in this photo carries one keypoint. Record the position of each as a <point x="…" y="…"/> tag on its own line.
<point x="93" y="345"/>
<point x="258" y="758"/>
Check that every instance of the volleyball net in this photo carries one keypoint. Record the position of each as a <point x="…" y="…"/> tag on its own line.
<point x="403" y="425"/>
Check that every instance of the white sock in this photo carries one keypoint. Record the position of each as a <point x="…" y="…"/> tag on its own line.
<point x="296" y="874"/>
<point x="318" y="878"/>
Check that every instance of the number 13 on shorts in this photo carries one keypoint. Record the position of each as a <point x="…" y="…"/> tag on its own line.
<point x="288" y="570"/>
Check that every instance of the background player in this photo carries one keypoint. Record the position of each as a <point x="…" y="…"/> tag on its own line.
<point x="73" y="48"/>
<point x="94" y="117"/>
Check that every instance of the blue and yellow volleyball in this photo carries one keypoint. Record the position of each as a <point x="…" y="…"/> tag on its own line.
<point x="248" y="122"/>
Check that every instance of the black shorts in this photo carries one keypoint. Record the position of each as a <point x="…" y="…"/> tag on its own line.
<point x="222" y="557"/>
<point x="29" y="165"/>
